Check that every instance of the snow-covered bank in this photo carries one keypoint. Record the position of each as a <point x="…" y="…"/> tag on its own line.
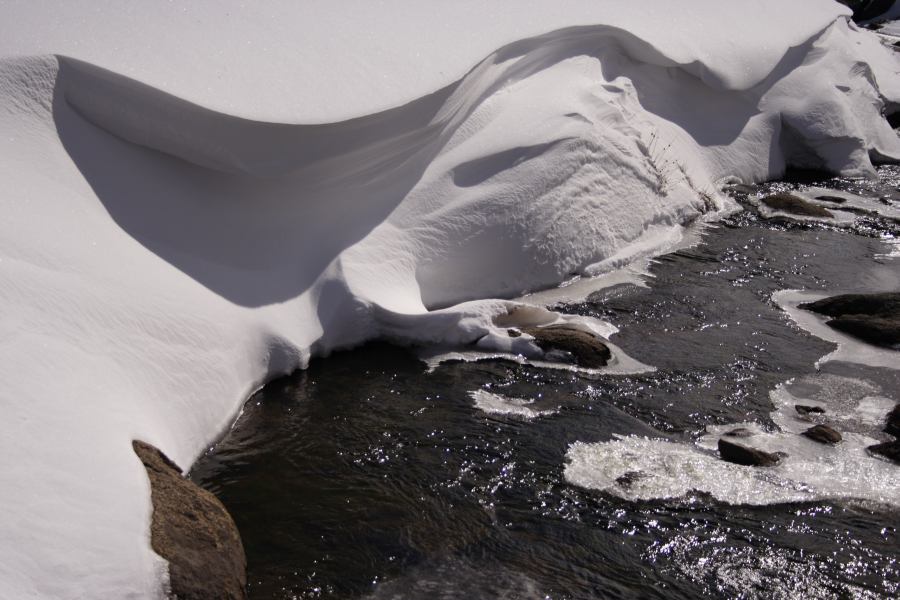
<point x="162" y="254"/>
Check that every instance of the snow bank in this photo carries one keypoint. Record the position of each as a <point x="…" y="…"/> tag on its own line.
<point x="198" y="198"/>
<point x="313" y="61"/>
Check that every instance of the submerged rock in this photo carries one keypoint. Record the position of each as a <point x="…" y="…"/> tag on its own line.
<point x="892" y="422"/>
<point x="586" y="349"/>
<point x="823" y="434"/>
<point x="889" y="450"/>
<point x="795" y="205"/>
<point x="874" y="318"/>
<point x="804" y="409"/>
<point x="884" y="303"/>
<point x="882" y="331"/>
<point x="740" y="432"/>
<point x="627" y="479"/>
<point x="192" y="530"/>
<point x="744" y="455"/>
<point x="833" y="199"/>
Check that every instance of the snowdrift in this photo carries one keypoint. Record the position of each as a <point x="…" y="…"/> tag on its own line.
<point x="167" y="248"/>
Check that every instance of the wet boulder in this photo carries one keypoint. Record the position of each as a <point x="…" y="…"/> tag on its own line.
<point x="628" y="478"/>
<point x="892" y="422"/>
<point x="889" y="450"/>
<point x="740" y="432"/>
<point x="884" y="303"/>
<point x="794" y="205"/>
<point x="874" y="318"/>
<point x="191" y="529"/>
<point x="875" y="330"/>
<point x="587" y="350"/>
<point x="832" y="199"/>
<point x="744" y="455"/>
<point x="823" y="434"/>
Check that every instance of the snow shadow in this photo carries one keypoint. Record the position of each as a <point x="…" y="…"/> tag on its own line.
<point x="253" y="211"/>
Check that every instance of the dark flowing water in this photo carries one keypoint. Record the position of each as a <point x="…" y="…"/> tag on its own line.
<point x="366" y="476"/>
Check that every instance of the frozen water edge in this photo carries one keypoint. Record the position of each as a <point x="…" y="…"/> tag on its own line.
<point x="637" y="468"/>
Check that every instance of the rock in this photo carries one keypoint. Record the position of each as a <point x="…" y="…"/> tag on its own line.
<point x="892" y="422"/>
<point x="627" y="479"/>
<point x="874" y="318"/>
<point x="864" y="10"/>
<point x="822" y="434"/>
<point x="740" y="432"/>
<point x="804" y="410"/>
<point x="513" y="333"/>
<point x="893" y="120"/>
<point x="889" y="450"/>
<point x="744" y="455"/>
<point x="586" y="349"/>
<point x="834" y="199"/>
<point x="886" y="303"/>
<point x="192" y="530"/>
<point x="795" y="205"/>
<point x="881" y="331"/>
<point x="742" y="188"/>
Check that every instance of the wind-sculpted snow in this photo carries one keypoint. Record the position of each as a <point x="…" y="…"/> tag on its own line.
<point x="161" y="260"/>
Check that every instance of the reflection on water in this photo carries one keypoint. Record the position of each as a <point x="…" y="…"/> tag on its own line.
<point x="369" y="476"/>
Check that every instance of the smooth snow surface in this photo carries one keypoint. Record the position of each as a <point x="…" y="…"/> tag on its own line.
<point x="322" y="61"/>
<point x="162" y="255"/>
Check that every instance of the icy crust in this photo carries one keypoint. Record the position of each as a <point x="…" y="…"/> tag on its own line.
<point x="160" y="261"/>
<point x="638" y="468"/>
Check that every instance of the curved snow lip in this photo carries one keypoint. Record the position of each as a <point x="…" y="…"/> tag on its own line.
<point x="150" y="117"/>
<point x="364" y="167"/>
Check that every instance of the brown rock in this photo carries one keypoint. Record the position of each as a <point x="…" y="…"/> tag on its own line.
<point x="833" y="199"/>
<point x="744" y="455"/>
<point x="192" y="530"/>
<point x="795" y="205"/>
<point x="889" y="450"/>
<point x="874" y="318"/>
<point x="882" y="331"/>
<point x="586" y="349"/>
<point x="627" y="479"/>
<point x="740" y="432"/>
<point x="822" y="434"/>
<point x="892" y="422"/>
<point x="885" y="303"/>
